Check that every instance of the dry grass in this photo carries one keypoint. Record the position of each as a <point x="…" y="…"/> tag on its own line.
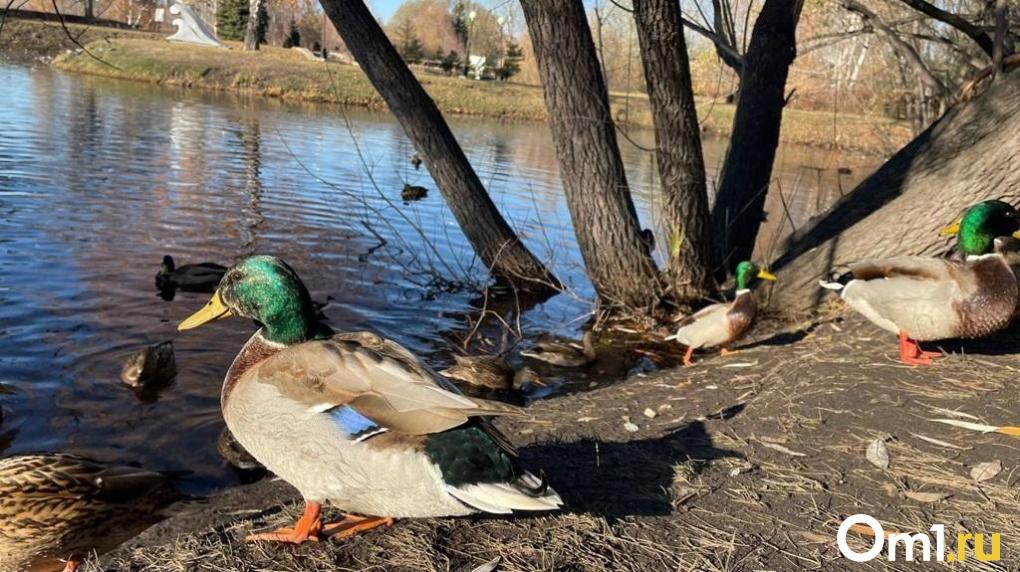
<point x="286" y="74"/>
<point x="751" y="464"/>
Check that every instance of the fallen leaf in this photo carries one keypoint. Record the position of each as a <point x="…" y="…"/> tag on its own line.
<point x="878" y="454"/>
<point x="781" y="449"/>
<point x="926" y="497"/>
<point x="866" y="530"/>
<point x="488" y="566"/>
<point x="630" y="426"/>
<point x="650" y="413"/>
<point x="985" y="471"/>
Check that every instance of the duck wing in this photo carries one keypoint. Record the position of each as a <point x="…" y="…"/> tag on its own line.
<point x="374" y="385"/>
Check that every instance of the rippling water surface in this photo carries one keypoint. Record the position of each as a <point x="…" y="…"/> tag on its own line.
<point x="100" y="178"/>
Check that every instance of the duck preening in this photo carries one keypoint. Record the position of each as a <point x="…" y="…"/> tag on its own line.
<point x="719" y="325"/>
<point x="369" y="428"/>
<point x="922" y="298"/>
<point x="56" y="508"/>
<point x="201" y="277"/>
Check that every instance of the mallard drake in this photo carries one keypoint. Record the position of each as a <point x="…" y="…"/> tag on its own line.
<point x="150" y="366"/>
<point x="719" y="325"/>
<point x="924" y="299"/>
<point x="565" y="354"/>
<point x="413" y="193"/>
<point x="355" y="420"/>
<point x="57" y="508"/>
<point x="202" y="277"/>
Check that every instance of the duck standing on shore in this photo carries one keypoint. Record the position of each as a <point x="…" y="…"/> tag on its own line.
<point x="56" y="508"/>
<point x="925" y="299"/>
<point x="719" y="325"/>
<point x="354" y="420"/>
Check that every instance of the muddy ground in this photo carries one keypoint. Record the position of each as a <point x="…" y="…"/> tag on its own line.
<point x="749" y="463"/>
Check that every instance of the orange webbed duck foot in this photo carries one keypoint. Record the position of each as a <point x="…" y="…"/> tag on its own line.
<point x="912" y="354"/>
<point x="307" y="528"/>
<point x="353" y="524"/>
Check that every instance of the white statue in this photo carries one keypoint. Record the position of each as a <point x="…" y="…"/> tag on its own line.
<point x="191" y="28"/>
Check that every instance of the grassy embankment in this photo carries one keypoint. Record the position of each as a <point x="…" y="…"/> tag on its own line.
<point x="31" y="38"/>
<point x="286" y="74"/>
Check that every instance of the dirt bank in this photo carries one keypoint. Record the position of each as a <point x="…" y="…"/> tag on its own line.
<point x="286" y="74"/>
<point x="749" y="463"/>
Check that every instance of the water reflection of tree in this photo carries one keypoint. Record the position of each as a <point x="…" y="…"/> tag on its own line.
<point x="252" y="219"/>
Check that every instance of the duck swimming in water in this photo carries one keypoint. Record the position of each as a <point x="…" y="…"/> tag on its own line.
<point x="201" y="277"/>
<point x="355" y="420"/>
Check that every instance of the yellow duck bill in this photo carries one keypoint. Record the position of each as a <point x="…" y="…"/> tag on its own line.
<point x="214" y="309"/>
<point x="766" y="275"/>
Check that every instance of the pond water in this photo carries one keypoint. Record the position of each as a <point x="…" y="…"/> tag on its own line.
<point x="100" y="178"/>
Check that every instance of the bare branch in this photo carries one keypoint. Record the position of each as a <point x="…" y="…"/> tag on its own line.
<point x="905" y="50"/>
<point x="732" y="57"/>
<point x="1000" y="36"/>
<point x="970" y="30"/>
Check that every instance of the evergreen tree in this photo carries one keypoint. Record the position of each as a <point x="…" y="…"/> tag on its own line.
<point x="511" y="62"/>
<point x="232" y="20"/>
<point x="293" y="38"/>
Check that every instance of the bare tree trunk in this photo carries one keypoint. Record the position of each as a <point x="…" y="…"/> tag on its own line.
<point x="489" y="234"/>
<point x="677" y="148"/>
<point x="605" y="222"/>
<point x="89" y="9"/>
<point x="747" y="170"/>
<point x="251" y="33"/>
<point x="967" y="156"/>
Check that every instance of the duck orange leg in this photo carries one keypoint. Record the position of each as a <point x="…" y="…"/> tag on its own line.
<point x="911" y="353"/>
<point x="353" y="524"/>
<point x="724" y="352"/>
<point x="307" y="528"/>
<point x="687" y="357"/>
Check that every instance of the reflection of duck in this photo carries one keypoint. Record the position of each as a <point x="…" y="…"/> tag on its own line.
<point x="56" y="506"/>
<point x="924" y="298"/>
<point x="202" y="277"/>
<point x="413" y="193"/>
<point x="416" y="161"/>
<point x="722" y="324"/>
<point x="564" y="354"/>
<point x="368" y="428"/>
<point x="150" y="367"/>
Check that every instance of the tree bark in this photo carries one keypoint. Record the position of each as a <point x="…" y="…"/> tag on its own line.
<point x="617" y="259"/>
<point x="747" y="170"/>
<point x="493" y="240"/>
<point x="677" y="148"/>
<point x="967" y="156"/>
<point x="251" y="33"/>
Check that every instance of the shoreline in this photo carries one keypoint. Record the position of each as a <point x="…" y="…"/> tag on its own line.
<point x="288" y="76"/>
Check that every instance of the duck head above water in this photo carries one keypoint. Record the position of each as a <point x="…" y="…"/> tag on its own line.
<point x="267" y="290"/>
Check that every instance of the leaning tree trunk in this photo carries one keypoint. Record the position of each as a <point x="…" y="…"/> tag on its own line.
<point x="605" y="222"/>
<point x="489" y="234"/>
<point x="747" y="170"/>
<point x="969" y="155"/>
<point x="251" y="33"/>
<point x="677" y="148"/>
